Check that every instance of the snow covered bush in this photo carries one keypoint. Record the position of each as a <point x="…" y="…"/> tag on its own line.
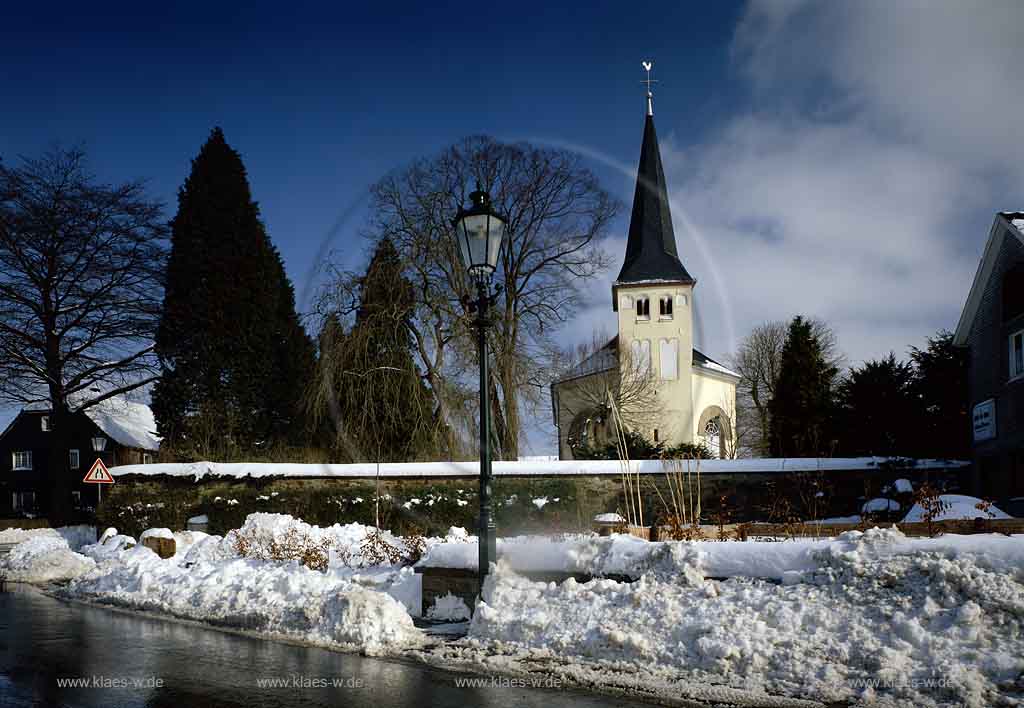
<point x="294" y="544"/>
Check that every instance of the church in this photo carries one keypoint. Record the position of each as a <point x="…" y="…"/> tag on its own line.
<point x="649" y="379"/>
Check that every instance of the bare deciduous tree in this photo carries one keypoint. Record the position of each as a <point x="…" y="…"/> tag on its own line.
<point x="81" y="265"/>
<point x="758" y="361"/>
<point x="599" y="377"/>
<point x="557" y="212"/>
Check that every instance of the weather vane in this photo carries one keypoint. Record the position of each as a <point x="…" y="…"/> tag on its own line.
<point x="650" y="103"/>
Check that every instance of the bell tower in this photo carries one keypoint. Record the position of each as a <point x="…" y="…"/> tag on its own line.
<point x="653" y="295"/>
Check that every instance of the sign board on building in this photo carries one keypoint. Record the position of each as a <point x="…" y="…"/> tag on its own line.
<point x="985" y="420"/>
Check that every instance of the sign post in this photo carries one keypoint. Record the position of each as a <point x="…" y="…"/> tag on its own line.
<point x="99" y="475"/>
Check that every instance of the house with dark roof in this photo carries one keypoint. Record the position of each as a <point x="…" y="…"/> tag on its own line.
<point x="992" y="328"/>
<point x="128" y="434"/>
<point x="649" y="378"/>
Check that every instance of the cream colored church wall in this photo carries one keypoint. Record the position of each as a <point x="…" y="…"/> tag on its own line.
<point x="710" y="391"/>
<point x="675" y="395"/>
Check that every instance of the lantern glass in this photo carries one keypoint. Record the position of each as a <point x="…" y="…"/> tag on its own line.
<point x="479" y="231"/>
<point x="99" y="444"/>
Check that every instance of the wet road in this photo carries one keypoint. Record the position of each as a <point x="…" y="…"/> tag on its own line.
<point x="128" y="661"/>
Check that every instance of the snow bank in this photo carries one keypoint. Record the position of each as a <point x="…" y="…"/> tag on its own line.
<point x="876" y="607"/>
<point x="351" y="606"/>
<point x="43" y="558"/>
<point x="274" y="599"/>
<point x="959" y="506"/>
<point x="76" y="536"/>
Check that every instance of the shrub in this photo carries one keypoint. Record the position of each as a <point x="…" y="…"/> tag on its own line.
<point x="294" y="545"/>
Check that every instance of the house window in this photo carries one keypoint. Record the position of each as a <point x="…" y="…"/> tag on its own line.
<point x="643" y="308"/>
<point x="655" y="435"/>
<point x="73" y="459"/>
<point x="44" y="423"/>
<point x="1017" y="354"/>
<point x="665" y="307"/>
<point x="76" y="498"/>
<point x="23" y="501"/>
<point x="147" y="459"/>
<point x="21" y="460"/>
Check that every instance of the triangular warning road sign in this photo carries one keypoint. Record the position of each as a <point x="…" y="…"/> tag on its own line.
<point x="98" y="474"/>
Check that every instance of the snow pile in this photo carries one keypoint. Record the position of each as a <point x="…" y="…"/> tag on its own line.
<point x="156" y="533"/>
<point x="958" y="506"/>
<point x="44" y="558"/>
<point x="13" y="535"/>
<point x="110" y="548"/>
<point x="282" y="600"/>
<point x="877" y="607"/>
<point x="76" y="536"/>
<point x="450" y="608"/>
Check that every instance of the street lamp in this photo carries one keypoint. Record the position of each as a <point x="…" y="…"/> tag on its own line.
<point x="99" y="444"/>
<point x="480" y="231"/>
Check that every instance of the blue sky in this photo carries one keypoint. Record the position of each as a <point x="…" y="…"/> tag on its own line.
<point x="842" y="160"/>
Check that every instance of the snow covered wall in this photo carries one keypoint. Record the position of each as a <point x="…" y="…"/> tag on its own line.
<point x="526" y="468"/>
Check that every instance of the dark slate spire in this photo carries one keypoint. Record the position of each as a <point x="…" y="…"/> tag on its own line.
<point x="651" y="249"/>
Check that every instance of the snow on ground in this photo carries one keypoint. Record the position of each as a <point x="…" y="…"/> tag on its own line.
<point x="959" y="506"/>
<point x="874" y="618"/>
<point x="76" y="536"/>
<point x="366" y="608"/>
<point x="43" y="558"/>
<point x="875" y="607"/>
<point x="880" y="505"/>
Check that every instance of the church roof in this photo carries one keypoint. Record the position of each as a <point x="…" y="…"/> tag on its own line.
<point x="607" y="358"/>
<point x="651" y="249"/>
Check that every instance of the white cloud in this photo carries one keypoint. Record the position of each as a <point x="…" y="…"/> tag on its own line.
<point x="860" y="183"/>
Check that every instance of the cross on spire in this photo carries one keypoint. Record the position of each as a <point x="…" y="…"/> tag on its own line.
<point x="650" y="96"/>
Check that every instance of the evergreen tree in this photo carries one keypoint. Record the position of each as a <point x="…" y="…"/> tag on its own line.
<point x="878" y="414"/>
<point x="383" y="409"/>
<point x="940" y="389"/>
<point x="802" y="408"/>
<point x="235" y="358"/>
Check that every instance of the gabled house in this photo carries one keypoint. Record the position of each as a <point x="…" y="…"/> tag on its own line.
<point x="992" y="328"/>
<point x="26" y="445"/>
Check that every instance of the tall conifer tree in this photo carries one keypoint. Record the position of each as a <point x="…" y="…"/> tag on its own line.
<point x="802" y="409"/>
<point x="234" y="355"/>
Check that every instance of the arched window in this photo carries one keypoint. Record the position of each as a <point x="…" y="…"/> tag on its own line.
<point x="665" y="307"/>
<point x="713" y="437"/>
<point x="643" y="308"/>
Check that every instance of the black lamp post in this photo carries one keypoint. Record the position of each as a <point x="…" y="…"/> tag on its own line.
<point x="480" y="231"/>
<point x="99" y="444"/>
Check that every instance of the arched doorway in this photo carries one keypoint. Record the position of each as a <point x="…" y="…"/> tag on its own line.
<point x="712" y="434"/>
<point x="715" y="432"/>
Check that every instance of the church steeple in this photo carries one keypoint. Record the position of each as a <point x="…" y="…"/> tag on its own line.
<point x="651" y="249"/>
